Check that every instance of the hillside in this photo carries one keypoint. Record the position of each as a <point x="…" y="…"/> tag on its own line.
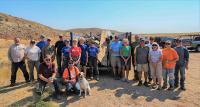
<point x="11" y="26"/>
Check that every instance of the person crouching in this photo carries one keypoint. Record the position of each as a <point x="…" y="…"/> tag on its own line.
<point x="70" y="78"/>
<point x="47" y="75"/>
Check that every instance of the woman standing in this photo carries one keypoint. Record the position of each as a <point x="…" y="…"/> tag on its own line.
<point x="155" y="59"/>
<point x="33" y="55"/>
<point x="125" y="53"/>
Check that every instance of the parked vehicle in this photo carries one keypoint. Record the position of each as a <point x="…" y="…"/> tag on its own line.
<point x="193" y="43"/>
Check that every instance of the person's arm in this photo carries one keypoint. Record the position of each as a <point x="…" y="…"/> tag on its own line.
<point x="176" y="57"/>
<point x="135" y="54"/>
<point x="129" y="54"/>
<point x="9" y="54"/>
<point x="55" y="72"/>
<point x="43" y="52"/>
<point x="39" y="53"/>
<point x="43" y="78"/>
<point x="186" y="52"/>
<point x="120" y="52"/>
<point x="86" y="57"/>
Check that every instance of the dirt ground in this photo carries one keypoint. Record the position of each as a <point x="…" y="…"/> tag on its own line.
<point x="111" y="93"/>
<point x="108" y="92"/>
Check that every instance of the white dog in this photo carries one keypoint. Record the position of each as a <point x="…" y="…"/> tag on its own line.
<point x="84" y="85"/>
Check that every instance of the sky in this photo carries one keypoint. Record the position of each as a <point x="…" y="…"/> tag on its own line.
<point x="137" y="16"/>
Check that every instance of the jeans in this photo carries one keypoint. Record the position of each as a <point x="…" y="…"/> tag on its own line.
<point x="31" y="65"/>
<point x="168" y="73"/>
<point x="180" y="69"/>
<point x="58" y="59"/>
<point x="14" y="69"/>
<point x="94" y="66"/>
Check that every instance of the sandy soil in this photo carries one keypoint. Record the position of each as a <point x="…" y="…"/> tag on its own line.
<point x="110" y="93"/>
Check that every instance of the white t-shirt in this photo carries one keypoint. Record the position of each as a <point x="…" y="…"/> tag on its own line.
<point x="155" y="55"/>
<point x="33" y="53"/>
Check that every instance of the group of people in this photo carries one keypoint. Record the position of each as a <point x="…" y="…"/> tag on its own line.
<point x="159" y="66"/>
<point x="41" y="55"/>
<point x="146" y="56"/>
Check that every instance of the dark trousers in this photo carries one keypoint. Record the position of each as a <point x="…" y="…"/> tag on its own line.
<point x="64" y="66"/>
<point x="42" y="85"/>
<point x="14" y="68"/>
<point x="180" y="69"/>
<point x="93" y="66"/>
<point x="58" y="59"/>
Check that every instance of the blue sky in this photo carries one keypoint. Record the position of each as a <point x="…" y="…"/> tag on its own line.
<point x="137" y="16"/>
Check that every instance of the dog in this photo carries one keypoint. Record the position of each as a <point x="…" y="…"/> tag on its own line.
<point x="84" y="84"/>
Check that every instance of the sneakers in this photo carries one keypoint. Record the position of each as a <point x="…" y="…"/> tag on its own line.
<point x="159" y="87"/>
<point x="97" y="78"/>
<point x="176" y="86"/>
<point x="146" y="84"/>
<point x="12" y="84"/>
<point x="170" y="88"/>
<point x="183" y="88"/>
<point x="28" y="81"/>
<point x="154" y="86"/>
<point x="164" y="87"/>
<point x="91" y="77"/>
<point x="140" y="83"/>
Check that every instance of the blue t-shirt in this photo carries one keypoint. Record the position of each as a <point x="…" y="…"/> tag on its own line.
<point x="84" y="48"/>
<point x="65" y="51"/>
<point x="41" y="44"/>
<point x="93" y="51"/>
<point x="115" y="46"/>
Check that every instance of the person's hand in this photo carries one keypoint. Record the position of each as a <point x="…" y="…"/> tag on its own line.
<point x="135" y="63"/>
<point x="187" y="66"/>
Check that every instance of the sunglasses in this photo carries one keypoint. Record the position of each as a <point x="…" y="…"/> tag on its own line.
<point x="47" y="60"/>
<point x="154" y="45"/>
<point x="167" y="44"/>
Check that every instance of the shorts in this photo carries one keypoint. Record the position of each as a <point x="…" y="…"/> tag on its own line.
<point x="128" y="63"/>
<point x="115" y="61"/>
<point x="156" y="72"/>
<point x="142" y="67"/>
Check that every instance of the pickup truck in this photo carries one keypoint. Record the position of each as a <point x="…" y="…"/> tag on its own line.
<point x="193" y="43"/>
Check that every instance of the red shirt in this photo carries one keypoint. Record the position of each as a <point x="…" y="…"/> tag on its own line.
<point x="75" y="51"/>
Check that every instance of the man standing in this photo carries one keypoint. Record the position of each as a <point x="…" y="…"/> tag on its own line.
<point x="93" y="59"/>
<point x="16" y="55"/>
<point x="115" y="57"/>
<point x="133" y="45"/>
<point x="151" y="40"/>
<point x="41" y="44"/>
<point x="141" y="60"/>
<point x="84" y="55"/>
<point x="49" y="49"/>
<point x="170" y="57"/>
<point x="181" y="64"/>
<point x="58" y="46"/>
